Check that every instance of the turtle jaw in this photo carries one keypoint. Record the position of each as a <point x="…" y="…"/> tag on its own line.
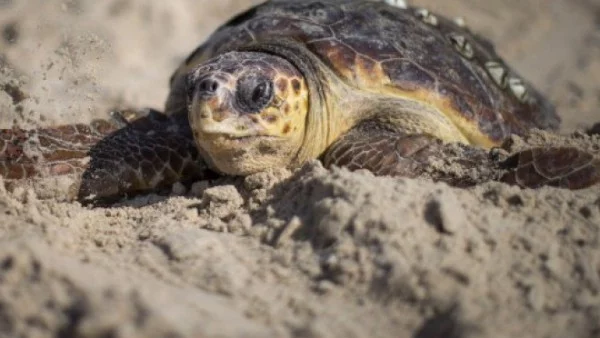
<point x="242" y="144"/>
<point x="216" y="117"/>
<point x="241" y="155"/>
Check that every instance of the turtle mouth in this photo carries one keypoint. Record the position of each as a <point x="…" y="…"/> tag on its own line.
<point x="226" y="141"/>
<point x="236" y="130"/>
<point x="241" y="139"/>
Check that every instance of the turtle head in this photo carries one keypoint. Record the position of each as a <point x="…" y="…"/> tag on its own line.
<point x="248" y="111"/>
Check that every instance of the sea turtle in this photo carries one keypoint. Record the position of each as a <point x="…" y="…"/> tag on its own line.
<point x="361" y="84"/>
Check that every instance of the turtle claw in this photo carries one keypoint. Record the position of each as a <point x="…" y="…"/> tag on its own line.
<point x="564" y="167"/>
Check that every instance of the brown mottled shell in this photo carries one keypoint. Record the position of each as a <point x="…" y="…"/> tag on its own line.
<point x="398" y="51"/>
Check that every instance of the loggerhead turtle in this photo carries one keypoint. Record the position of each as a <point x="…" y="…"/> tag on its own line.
<point x="356" y="83"/>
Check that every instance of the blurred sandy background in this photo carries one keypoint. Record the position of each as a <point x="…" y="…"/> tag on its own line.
<point x="307" y="254"/>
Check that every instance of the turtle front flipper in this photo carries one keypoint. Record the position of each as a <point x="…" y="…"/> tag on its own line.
<point x="385" y="151"/>
<point x="564" y="167"/>
<point x="148" y="153"/>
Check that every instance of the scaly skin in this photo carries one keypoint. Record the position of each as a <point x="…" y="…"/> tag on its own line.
<point x="107" y="162"/>
<point x="390" y="152"/>
<point x="151" y="152"/>
<point x="49" y="151"/>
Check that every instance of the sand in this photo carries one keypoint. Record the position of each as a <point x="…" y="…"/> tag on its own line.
<point x="309" y="253"/>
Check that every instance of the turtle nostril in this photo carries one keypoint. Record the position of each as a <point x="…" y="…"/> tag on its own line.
<point x="208" y="87"/>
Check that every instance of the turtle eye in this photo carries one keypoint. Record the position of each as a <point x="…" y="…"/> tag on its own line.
<point x="260" y="93"/>
<point x="254" y="93"/>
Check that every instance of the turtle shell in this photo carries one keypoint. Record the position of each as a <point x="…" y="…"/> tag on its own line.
<point x="408" y="52"/>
